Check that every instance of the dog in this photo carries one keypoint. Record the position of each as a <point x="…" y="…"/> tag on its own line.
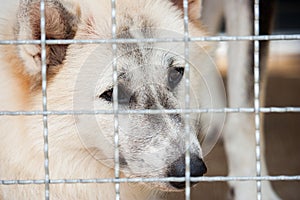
<point x="238" y="134"/>
<point x="150" y="76"/>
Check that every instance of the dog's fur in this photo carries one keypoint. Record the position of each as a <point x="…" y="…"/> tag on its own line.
<point x="79" y="78"/>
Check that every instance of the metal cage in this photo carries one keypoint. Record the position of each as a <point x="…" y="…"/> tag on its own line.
<point x="257" y="109"/>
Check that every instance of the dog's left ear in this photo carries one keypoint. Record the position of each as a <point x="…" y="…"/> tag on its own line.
<point x="194" y="8"/>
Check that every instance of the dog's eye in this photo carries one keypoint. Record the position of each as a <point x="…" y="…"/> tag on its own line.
<point x="123" y="95"/>
<point x="107" y="95"/>
<point x="175" y="75"/>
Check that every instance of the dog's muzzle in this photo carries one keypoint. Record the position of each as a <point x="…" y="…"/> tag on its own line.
<point x="177" y="169"/>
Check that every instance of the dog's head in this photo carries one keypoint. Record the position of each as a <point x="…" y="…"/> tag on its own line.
<point x="151" y="76"/>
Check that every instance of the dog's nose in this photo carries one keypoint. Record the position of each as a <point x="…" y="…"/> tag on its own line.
<point x="177" y="169"/>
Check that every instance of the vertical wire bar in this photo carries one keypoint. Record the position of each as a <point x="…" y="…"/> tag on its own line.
<point x="187" y="102"/>
<point x="115" y="99"/>
<point x="44" y="97"/>
<point x="257" y="99"/>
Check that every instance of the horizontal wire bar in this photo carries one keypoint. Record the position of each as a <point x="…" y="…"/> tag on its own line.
<point x="145" y="180"/>
<point x="162" y="111"/>
<point x="155" y="40"/>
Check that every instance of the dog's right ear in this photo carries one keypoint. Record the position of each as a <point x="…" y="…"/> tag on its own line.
<point x="194" y="7"/>
<point x="61" y="23"/>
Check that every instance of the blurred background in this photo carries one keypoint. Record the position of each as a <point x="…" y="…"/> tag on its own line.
<point x="282" y="130"/>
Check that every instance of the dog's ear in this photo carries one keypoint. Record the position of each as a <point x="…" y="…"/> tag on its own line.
<point x="61" y="23"/>
<point x="194" y="8"/>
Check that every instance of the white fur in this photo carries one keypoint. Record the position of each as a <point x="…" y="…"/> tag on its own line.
<point x="81" y="147"/>
<point x="239" y="132"/>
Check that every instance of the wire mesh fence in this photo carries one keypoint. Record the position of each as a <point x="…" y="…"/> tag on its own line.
<point x="187" y="39"/>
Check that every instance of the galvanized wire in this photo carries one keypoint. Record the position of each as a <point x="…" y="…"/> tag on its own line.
<point x="115" y="98"/>
<point x="148" y="180"/>
<point x="44" y="98"/>
<point x="157" y="40"/>
<point x="153" y="112"/>
<point x="187" y="101"/>
<point x="257" y="99"/>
